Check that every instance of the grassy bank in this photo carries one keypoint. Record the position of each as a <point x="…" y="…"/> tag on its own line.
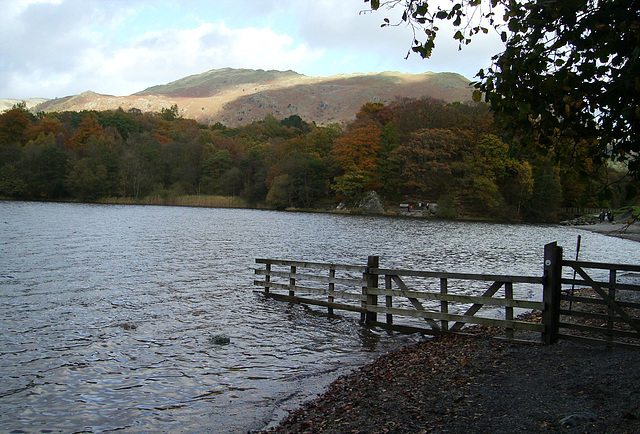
<point x="185" y="200"/>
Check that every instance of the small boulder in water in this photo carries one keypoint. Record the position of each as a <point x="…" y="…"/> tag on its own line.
<point x="220" y="340"/>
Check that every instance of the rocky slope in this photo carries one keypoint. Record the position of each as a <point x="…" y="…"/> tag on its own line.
<point x="240" y="96"/>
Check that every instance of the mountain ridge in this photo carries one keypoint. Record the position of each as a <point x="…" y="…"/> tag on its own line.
<point x="240" y="96"/>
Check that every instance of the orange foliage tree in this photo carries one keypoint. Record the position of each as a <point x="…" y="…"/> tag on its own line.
<point x="88" y="127"/>
<point x="356" y="153"/>
<point x="432" y="162"/>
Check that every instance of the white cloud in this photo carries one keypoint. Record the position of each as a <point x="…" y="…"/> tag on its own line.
<point x="162" y="56"/>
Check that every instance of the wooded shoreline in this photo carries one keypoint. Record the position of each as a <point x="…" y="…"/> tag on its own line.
<point x="408" y="151"/>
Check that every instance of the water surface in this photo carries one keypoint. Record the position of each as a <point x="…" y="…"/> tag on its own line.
<point x="109" y="314"/>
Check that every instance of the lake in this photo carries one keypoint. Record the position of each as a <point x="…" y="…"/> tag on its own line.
<point x="109" y="314"/>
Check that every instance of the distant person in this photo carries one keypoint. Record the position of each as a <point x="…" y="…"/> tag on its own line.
<point x="610" y="217"/>
<point x="601" y="216"/>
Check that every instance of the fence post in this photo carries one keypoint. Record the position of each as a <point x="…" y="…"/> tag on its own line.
<point x="371" y="280"/>
<point x="332" y="287"/>
<point x="267" y="278"/>
<point x="444" y="304"/>
<point x="292" y="281"/>
<point x="389" y="298"/>
<point x="610" y="310"/>
<point x="551" y="292"/>
<point x="508" y="311"/>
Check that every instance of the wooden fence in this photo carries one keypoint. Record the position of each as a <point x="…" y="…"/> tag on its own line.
<point x="577" y="212"/>
<point x="437" y="302"/>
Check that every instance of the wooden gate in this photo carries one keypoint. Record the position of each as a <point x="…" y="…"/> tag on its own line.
<point x="491" y="302"/>
<point x="598" y="302"/>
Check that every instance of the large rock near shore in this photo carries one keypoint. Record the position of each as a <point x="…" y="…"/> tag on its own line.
<point x="371" y="203"/>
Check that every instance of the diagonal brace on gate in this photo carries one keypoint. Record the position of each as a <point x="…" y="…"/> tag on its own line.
<point x="477" y="306"/>
<point x="415" y="302"/>
<point x="610" y="301"/>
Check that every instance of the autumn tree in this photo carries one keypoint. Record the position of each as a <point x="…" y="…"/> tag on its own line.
<point x="140" y="165"/>
<point x="170" y="114"/>
<point x="87" y="180"/>
<point x="546" y="195"/>
<point x="14" y="132"/>
<point x="321" y="139"/>
<point x="388" y="171"/>
<point x="215" y="165"/>
<point x="495" y="184"/>
<point x="97" y="174"/>
<point x="181" y="166"/>
<point x="356" y="152"/>
<point x="253" y="172"/>
<point x="89" y="127"/>
<point x="12" y="183"/>
<point x="125" y="123"/>
<point x="15" y="125"/>
<point x="47" y="125"/>
<point x="517" y="186"/>
<point x="295" y="121"/>
<point x="432" y="162"/>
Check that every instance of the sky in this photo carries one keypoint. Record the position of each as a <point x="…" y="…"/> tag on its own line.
<point x="57" y="48"/>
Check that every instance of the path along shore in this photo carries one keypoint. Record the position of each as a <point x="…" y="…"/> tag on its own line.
<point x="616" y="229"/>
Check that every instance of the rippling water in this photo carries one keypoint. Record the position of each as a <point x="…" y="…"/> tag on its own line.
<point x="109" y="314"/>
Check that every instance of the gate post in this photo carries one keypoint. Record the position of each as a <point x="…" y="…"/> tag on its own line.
<point x="551" y="292"/>
<point x="371" y="280"/>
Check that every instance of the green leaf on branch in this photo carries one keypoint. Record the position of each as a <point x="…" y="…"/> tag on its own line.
<point x="441" y="15"/>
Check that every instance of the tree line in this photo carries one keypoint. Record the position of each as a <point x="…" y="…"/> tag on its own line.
<point x="410" y="151"/>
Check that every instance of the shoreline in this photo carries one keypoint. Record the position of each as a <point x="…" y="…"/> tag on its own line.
<point x="619" y="230"/>
<point x="615" y="229"/>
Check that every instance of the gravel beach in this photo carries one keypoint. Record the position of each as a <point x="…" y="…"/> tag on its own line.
<point x="621" y="228"/>
<point x="477" y="384"/>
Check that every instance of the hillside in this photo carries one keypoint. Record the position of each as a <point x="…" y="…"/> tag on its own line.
<point x="240" y="96"/>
